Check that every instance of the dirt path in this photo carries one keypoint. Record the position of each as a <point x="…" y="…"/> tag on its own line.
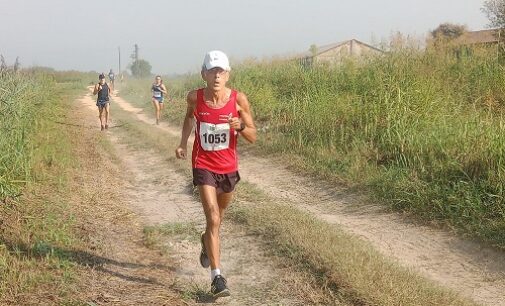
<point x="114" y="265"/>
<point x="467" y="267"/>
<point x="162" y="196"/>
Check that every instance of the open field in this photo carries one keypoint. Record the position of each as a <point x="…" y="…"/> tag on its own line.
<point x="420" y="131"/>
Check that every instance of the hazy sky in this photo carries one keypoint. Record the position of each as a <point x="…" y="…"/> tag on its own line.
<point x="174" y="35"/>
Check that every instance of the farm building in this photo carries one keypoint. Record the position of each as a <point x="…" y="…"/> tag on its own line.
<point x="492" y="39"/>
<point x="483" y="37"/>
<point x="335" y="53"/>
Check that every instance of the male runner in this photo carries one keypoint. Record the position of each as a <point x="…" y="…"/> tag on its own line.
<point x="221" y="114"/>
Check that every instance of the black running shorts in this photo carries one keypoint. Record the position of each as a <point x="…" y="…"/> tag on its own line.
<point x="222" y="182"/>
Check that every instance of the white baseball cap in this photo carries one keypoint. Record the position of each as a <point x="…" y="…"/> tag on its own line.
<point x="216" y="58"/>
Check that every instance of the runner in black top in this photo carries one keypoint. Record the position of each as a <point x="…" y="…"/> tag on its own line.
<point x="111" y="79"/>
<point x="158" y="90"/>
<point x="102" y="101"/>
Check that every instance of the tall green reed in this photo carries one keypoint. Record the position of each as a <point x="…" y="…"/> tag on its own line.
<point x="20" y="97"/>
<point x="422" y="129"/>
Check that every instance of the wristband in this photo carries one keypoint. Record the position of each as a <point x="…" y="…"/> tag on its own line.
<point x="242" y="127"/>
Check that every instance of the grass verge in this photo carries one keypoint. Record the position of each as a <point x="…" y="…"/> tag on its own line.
<point x="183" y="231"/>
<point x="342" y="262"/>
<point x="69" y="239"/>
<point x="36" y="231"/>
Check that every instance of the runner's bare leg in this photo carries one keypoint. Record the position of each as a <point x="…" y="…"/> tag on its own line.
<point x="156" y="109"/>
<point x="223" y="200"/>
<point x="107" y="107"/>
<point x="213" y="206"/>
<point x="100" y="112"/>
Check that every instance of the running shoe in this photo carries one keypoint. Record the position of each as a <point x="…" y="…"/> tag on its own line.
<point x="204" y="259"/>
<point x="218" y="287"/>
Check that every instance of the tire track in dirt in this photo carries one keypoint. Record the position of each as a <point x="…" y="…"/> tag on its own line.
<point x="160" y="195"/>
<point x="468" y="267"/>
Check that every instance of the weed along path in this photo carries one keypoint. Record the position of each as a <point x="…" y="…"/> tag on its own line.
<point x="158" y="189"/>
<point x="162" y="196"/>
<point x="465" y="266"/>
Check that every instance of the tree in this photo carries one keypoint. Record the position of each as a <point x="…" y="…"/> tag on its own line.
<point x="140" y="68"/>
<point x="495" y="12"/>
<point x="313" y="49"/>
<point x="448" y="31"/>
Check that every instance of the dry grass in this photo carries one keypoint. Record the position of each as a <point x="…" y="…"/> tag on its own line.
<point x="120" y="269"/>
<point x="154" y="234"/>
<point x="341" y="262"/>
<point x="71" y="240"/>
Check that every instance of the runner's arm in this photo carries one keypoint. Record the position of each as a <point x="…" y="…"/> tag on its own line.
<point x="187" y="126"/>
<point x="96" y="89"/>
<point x="249" y="131"/>
<point x="163" y="89"/>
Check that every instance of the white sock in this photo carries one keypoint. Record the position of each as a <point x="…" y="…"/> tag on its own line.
<point x="214" y="273"/>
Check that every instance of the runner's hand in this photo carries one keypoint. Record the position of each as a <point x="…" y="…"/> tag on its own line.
<point x="180" y="153"/>
<point x="234" y="123"/>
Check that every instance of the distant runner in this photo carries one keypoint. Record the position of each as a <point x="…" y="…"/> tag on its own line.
<point x="102" y="101"/>
<point x="221" y="115"/>
<point x="158" y="90"/>
<point x="111" y="79"/>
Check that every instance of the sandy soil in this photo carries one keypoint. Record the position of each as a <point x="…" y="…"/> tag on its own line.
<point x="115" y="268"/>
<point x="467" y="267"/>
<point x="159" y="195"/>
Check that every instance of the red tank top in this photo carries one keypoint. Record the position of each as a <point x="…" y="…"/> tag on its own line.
<point x="215" y="143"/>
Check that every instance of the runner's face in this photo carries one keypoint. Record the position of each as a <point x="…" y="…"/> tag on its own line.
<point x="102" y="81"/>
<point x="216" y="78"/>
<point x="157" y="80"/>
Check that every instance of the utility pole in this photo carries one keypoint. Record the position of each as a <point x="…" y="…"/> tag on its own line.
<point x="135" y="55"/>
<point x="135" y="59"/>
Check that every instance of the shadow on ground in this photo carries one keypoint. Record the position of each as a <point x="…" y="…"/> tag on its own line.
<point x="41" y="250"/>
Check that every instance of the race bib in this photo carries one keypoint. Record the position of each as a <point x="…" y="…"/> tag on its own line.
<point x="157" y="94"/>
<point x="214" y="137"/>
